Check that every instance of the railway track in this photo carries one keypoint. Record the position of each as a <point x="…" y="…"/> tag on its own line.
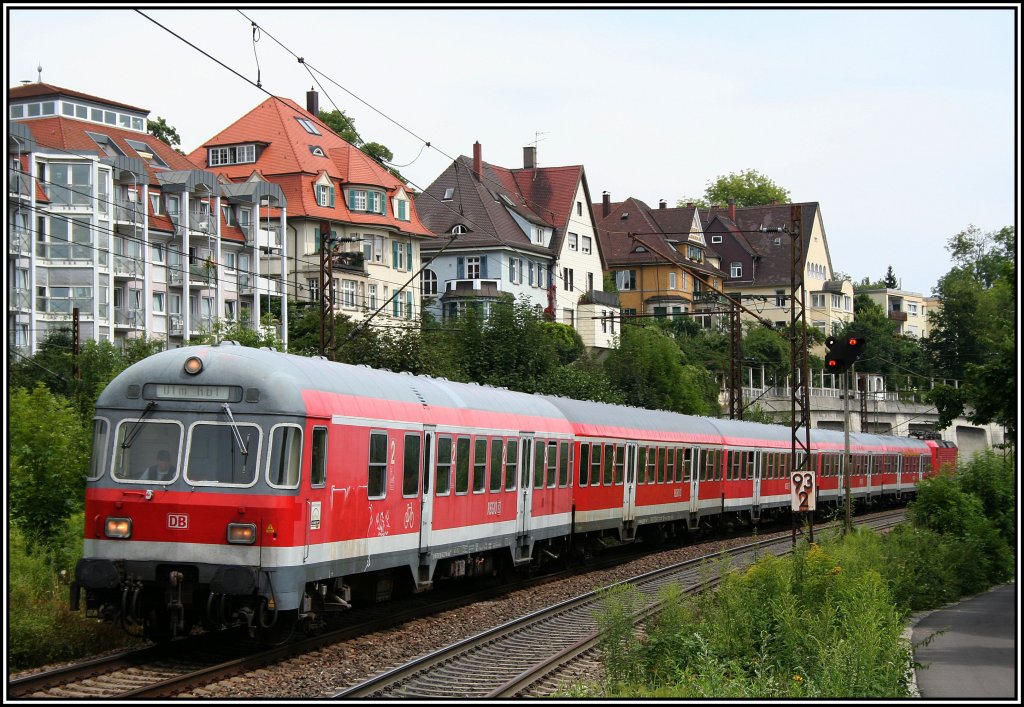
<point x="182" y="666"/>
<point x="519" y="658"/>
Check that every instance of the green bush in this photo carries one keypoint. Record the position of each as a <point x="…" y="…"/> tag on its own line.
<point x="41" y="627"/>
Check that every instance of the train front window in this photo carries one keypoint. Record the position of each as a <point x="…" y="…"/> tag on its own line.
<point x="285" y="454"/>
<point x="223" y="454"/>
<point x="147" y="451"/>
<point x="100" y="431"/>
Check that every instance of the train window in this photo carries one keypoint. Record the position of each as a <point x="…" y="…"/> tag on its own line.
<point x="652" y="464"/>
<point x="609" y="463"/>
<point x="376" y="485"/>
<point x="620" y="460"/>
<point x="524" y="479"/>
<point x="284" y="458"/>
<point x="511" y="458"/>
<point x="769" y="465"/>
<point x="318" y="473"/>
<point x="538" y="464"/>
<point x="595" y="464"/>
<point x="552" y="462"/>
<point x="479" y="464"/>
<point x="497" y="461"/>
<point x="411" y="475"/>
<point x="444" y="465"/>
<point x="733" y="471"/>
<point x="462" y="465"/>
<point x="138" y="446"/>
<point x="584" y="470"/>
<point x="563" y="464"/>
<point x="684" y="461"/>
<point x="662" y="454"/>
<point x="671" y="463"/>
<point x="224" y="454"/>
<point x="641" y="464"/>
<point x="100" y="429"/>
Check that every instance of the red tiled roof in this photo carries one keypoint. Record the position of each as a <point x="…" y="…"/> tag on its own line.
<point x="288" y="161"/>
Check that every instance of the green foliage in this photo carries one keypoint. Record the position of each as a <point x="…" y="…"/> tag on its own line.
<point x="160" y="129"/>
<point x="890" y="279"/>
<point x="581" y="380"/>
<point x="48" y="459"/>
<point x="886" y="352"/>
<point x="264" y="335"/>
<point x="973" y="332"/>
<point x="646" y="366"/>
<point x="698" y="201"/>
<point x="340" y="123"/>
<point x="748" y="188"/>
<point x="41" y="628"/>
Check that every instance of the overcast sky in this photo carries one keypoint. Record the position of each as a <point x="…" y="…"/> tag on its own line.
<point x="900" y="123"/>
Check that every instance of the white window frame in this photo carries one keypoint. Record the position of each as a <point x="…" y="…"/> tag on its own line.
<point x="587" y="244"/>
<point x="672" y="280"/>
<point x="574" y="241"/>
<point x="158" y="303"/>
<point x="473" y="267"/>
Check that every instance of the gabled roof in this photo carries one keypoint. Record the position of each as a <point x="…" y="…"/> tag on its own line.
<point x="288" y="159"/>
<point x="551" y="193"/>
<point x="773" y="267"/>
<point x="482" y="206"/>
<point x="651" y="245"/>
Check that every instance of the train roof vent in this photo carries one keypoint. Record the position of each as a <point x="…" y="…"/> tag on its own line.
<point x="228" y="342"/>
<point x="319" y="358"/>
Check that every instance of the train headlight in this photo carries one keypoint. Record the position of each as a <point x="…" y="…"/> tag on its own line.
<point x="118" y="527"/>
<point x="193" y="365"/>
<point x="241" y="533"/>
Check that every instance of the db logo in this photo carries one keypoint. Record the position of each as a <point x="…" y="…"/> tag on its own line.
<point x="177" y="521"/>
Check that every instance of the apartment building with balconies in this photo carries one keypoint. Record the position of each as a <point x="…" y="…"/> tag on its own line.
<point x="108" y="220"/>
<point x="908" y="310"/>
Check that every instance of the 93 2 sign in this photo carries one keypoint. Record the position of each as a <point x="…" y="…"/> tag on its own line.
<point x="803" y="495"/>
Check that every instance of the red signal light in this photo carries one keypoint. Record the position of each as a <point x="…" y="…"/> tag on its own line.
<point x="854" y="341"/>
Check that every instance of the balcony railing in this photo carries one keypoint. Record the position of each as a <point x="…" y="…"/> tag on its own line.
<point x="267" y="237"/>
<point x="129" y="212"/>
<point x="198" y="221"/>
<point x="176" y="325"/>
<point x="470" y="285"/>
<point x="198" y="275"/>
<point x="127" y="266"/>
<point x="897" y="316"/>
<point x="62" y="305"/>
<point x="21" y="299"/>
<point x="126" y="318"/>
<point x="18" y="244"/>
<point x="257" y="284"/>
<point x="64" y="251"/>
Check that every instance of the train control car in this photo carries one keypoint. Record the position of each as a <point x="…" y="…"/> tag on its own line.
<point x="231" y="485"/>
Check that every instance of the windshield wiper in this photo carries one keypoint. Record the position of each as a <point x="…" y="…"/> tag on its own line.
<point x="238" y="435"/>
<point x="130" y="436"/>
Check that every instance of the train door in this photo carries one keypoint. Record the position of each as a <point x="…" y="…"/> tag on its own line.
<point x="629" y="487"/>
<point x="755" y="499"/>
<point x="525" y="485"/>
<point x="426" y="483"/>
<point x="694" y="465"/>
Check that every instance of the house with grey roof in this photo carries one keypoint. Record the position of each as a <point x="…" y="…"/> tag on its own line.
<point x="528" y="233"/>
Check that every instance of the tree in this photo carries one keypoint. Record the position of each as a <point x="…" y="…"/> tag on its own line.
<point x="890" y="279"/>
<point x="340" y="123"/>
<point x="48" y="458"/>
<point x="973" y="332"/>
<point x="699" y="201"/>
<point x="748" y="188"/>
<point x="161" y="130"/>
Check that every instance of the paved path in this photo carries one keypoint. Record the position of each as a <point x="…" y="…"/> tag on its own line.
<point x="977" y="655"/>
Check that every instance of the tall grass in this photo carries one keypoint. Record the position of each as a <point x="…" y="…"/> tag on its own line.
<point x="41" y="627"/>
<point x="826" y="621"/>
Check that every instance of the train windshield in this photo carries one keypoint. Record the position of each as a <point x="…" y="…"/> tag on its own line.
<point x="223" y="454"/>
<point x="147" y="451"/>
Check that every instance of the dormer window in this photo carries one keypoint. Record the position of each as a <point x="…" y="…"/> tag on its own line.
<point x="317" y="151"/>
<point x="508" y="201"/>
<point x="237" y="154"/>
<point x="146" y="152"/>
<point x="366" y="200"/>
<point x="308" y="126"/>
<point x="325" y="195"/>
<point x="716" y="239"/>
<point x="456" y="230"/>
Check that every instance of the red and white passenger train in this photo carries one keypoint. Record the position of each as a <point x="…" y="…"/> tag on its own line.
<point x="291" y="487"/>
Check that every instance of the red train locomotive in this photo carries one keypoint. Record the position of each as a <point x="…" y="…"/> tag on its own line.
<point x="231" y="484"/>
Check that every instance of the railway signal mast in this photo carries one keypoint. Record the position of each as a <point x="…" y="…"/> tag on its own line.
<point x="839" y="359"/>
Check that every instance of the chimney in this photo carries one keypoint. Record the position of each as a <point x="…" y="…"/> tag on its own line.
<point x="313" y="102"/>
<point x="478" y="160"/>
<point x="606" y="204"/>
<point x="689" y="203"/>
<point x="529" y="157"/>
<point x="732" y="210"/>
<point x="662" y="204"/>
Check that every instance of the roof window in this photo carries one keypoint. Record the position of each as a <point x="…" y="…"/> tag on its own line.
<point x="308" y="126"/>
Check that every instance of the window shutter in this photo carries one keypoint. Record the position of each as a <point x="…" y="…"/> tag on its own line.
<point x="460" y="268"/>
<point x="483" y="266"/>
<point x="351" y="200"/>
<point x="408" y="256"/>
<point x="394" y="254"/>
<point x="330" y="190"/>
